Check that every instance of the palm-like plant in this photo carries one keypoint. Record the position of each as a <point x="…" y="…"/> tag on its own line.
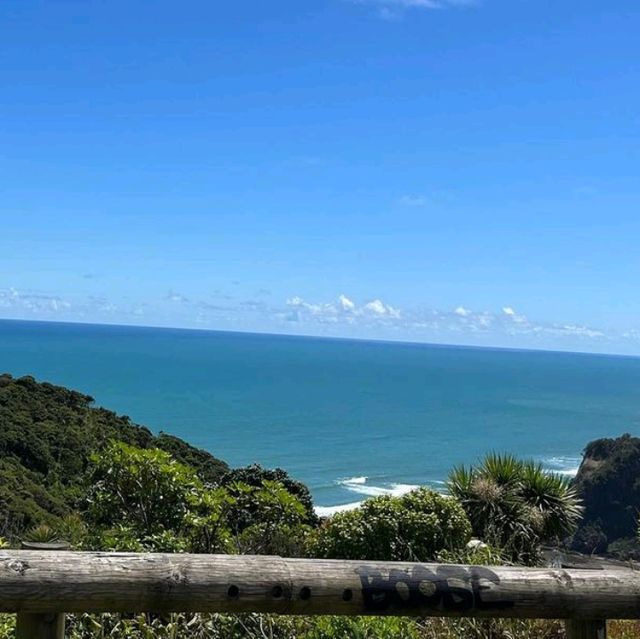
<point x="514" y="505"/>
<point x="42" y="533"/>
<point x="553" y="497"/>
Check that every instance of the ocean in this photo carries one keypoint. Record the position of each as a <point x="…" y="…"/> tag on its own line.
<point x="351" y="419"/>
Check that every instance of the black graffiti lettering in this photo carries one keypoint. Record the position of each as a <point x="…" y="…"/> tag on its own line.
<point x="456" y="594"/>
<point x="479" y="574"/>
<point x="447" y="588"/>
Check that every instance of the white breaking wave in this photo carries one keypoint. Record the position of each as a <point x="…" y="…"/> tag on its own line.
<point x="567" y="466"/>
<point x="359" y="485"/>
<point x="395" y="490"/>
<point x="328" y="511"/>
<point x="354" y="480"/>
<point x="569" y="472"/>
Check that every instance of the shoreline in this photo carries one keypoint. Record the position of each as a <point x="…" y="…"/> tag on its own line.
<point x="565" y="466"/>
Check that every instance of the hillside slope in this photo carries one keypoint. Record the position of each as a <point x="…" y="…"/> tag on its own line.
<point x="47" y="434"/>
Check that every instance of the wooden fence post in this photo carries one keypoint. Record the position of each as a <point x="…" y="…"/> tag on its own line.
<point x="41" y="626"/>
<point x="581" y="629"/>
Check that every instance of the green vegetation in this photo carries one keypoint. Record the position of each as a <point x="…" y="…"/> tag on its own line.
<point x="144" y="500"/>
<point x="515" y="506"/>
<point x="608" y="483"/>
<point x="414" y="527"/>
<point x="47" y="436"/>
<point x="69" y="470"/>
<point x="255" y="475"/>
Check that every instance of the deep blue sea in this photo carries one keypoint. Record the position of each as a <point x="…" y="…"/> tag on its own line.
<point x="348" y="418"/>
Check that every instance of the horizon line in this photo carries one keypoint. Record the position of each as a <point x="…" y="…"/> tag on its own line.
<point x="515" y="349"/>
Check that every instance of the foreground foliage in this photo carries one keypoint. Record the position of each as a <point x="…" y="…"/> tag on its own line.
<point x="196" y="626"/>
<point x="144" y="500"/>
<point x="414" y="527"/>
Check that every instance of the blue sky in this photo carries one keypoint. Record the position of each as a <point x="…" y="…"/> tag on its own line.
<point x="447" y="171"/>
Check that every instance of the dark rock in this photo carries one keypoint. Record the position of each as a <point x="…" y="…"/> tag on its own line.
<point x="609" y="483"/>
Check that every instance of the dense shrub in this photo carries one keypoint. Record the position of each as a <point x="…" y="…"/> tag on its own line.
<point x="145" y="500"/>
<point x="255" y="475"/>
<point x="414" y="527"/>
<point x="266" y="519"/>
<point x="146" y="490"/>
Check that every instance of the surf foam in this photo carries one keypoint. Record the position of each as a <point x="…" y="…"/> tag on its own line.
<point x="359" y="485"/>
<point x="567" y="466"/>
<point x="328" y="511"/>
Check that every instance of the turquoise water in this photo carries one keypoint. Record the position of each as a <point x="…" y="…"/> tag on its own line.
<point x="349" y="418"/>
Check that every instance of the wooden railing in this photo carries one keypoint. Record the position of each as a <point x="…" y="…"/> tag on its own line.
<point x="40" y="586"/>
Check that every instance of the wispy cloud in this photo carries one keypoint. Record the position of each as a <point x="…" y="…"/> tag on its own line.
<point x="341" y="316"/>
<point x="174" y="296"/>
<point x="32" y="303"/>
<point x="393" y="9"/>
<point x="460" y="324"/>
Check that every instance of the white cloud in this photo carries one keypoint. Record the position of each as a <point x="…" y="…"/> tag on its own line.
<point x="417" y="4"/>
<point x="32" y="303"/>
<point x="343" y="310"/>
<point x="393" y="9"/>
<point x="513" y="316"/>
<point x="378" y="307"/>
<point x="346" y="303"/>
<point x="578" y="331"/>
<point x="504" y="326"/>
<point x="317" y="310"/>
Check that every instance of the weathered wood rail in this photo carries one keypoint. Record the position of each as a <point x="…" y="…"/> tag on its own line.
<point x="36" y="585"/>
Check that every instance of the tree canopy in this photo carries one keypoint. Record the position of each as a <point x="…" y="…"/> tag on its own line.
<point x="48" y="434"/>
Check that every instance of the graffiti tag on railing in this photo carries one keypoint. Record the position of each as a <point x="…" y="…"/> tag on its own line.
<point x="449" y="588"/>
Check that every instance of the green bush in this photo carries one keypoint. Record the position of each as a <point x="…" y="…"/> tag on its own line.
<point x="267" y="519"/>
<point x="144" y="489"/>
<point x="144" y="500"/>
<point x="414" y="527"/>
<point x="255" y="475"/>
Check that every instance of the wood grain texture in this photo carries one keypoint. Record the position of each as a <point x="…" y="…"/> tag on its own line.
<point x="39" y="582"/>
<point x="47" y="625"/>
